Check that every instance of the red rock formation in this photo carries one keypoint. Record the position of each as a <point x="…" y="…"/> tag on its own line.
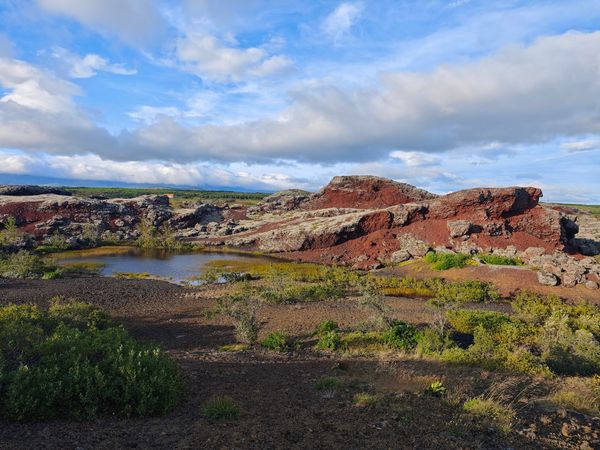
<point x="365" y="192"/>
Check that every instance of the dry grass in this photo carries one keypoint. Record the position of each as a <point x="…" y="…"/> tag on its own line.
<point x="578" y="394"/>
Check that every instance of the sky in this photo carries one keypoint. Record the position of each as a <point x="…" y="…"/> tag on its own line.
<point x="269" y="95"/>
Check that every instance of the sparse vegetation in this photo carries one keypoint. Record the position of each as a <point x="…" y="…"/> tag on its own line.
<point x="329" y="340"/>
<point x="278" y="341"/>
<point x="445" y="261"/>
<point x="577" y="394"/>
<point x="493" y="412"/>
<point x="500" y="260"/>
<point x="437" y="388"/>
<point x="24" y="265"/>
<point x="364" y="399"/>
<point x="328" y="384"/>
<point x="72" y="361"/>
<point x="221" y="407"/>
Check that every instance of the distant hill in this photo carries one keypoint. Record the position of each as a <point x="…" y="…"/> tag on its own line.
<point x="69" y="182"/>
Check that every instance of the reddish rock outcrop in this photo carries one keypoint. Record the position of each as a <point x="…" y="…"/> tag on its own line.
<point x="365" y="192"/>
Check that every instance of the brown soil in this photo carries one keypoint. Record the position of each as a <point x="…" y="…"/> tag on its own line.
<point x="280" y="406"/>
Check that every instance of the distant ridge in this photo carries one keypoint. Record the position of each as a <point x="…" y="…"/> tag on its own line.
<point x="54" y="181"/>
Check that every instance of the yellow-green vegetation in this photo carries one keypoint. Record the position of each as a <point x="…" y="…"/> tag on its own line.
<point x="496" y="414"/>
<point x="239" y="347"/>
<point x="445" y="261"/>
<point x="578" y="394"/>
<point x="290" y="271"/>
<point x="133" y="275"/>
<point x="242" y="313"/>
<point x="9" y="233"/>
<point x="92" y="252"/>
<point x="72" y="361"/>
<point x="80" y="268"/>
<point x="162" y="238"/>
<point x="364" y="399"/>
<point x="592" y="209"/>
<point x="437" y="388"/>
<point x="221" y="407"/>
<point x="25" y="265"/>
<point x="500" y="260"/>
<point x="545" y="336"/>
<point x="278" y="341"/>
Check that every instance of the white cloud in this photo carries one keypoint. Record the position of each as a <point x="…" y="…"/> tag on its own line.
<point x="207" y="57"/>
<point x="88" y="65"/>
<point x="197" y="106"/>
<point x="582" y="146"/>
<point x="415" y="159"/>
<point x="134" y="21"/>
<point x="521" y="95"/>
<point x="32" y="88"/>
<point x="340" y="21"/>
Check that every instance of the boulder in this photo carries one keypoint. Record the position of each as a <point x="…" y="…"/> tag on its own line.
<point x="590" y="284"/>
<point x="459" y="228"/>
<point x="547" y="279"/>
<point x="400" y="256"/>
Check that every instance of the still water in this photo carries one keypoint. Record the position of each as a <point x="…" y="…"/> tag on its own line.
<point x="177" y="267"/>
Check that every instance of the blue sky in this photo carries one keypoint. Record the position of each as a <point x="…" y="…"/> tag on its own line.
<point x="443" y="94"/>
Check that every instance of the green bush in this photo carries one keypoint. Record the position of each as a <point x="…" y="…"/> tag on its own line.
<point x="466" y="320"/>
<point x="330" y="340"/>
<point x="325" y="327"/>
<point x="73" y="362"/>
<point x="445" y="261"/>
<point x="23" y="265"/>
<point x="221" y="407"/>
<point x="500" y="260"/>
<point x="278" y="341"/>
<point x="400" y="335"/>
<point x="430" y="342"/>
<point x="466" y="291"/>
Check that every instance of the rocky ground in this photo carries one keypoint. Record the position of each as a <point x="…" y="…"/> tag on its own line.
<point x="280" y="406"/>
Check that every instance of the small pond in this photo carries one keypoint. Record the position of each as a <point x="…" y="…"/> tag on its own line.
<point x="176" y="267"/>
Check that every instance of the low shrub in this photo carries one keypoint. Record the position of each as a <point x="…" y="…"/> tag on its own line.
<point x="466" y="320"/>
<point x="243" y="315"/>
<point x="23" y="265"/>
<point x="221" y="407"/>
<point x="364" y="399"/>
<point x="73" y="362"/>
<point x="493" y="412"/>
<point x="436" y="388"/>
<point x="325" y="327"/>
<point x="329" y="340"/>
<point x="278" y="341"/>
<point x="328" y="384"/>
<point x="445" y="261"/>
<point x="466" y="291"/>
<point x="498" y="260"/>
<point x="400" y="335"/>
<point x="430" y="342"/>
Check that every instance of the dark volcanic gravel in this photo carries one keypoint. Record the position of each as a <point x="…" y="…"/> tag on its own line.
<point x="281" y="409"/>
